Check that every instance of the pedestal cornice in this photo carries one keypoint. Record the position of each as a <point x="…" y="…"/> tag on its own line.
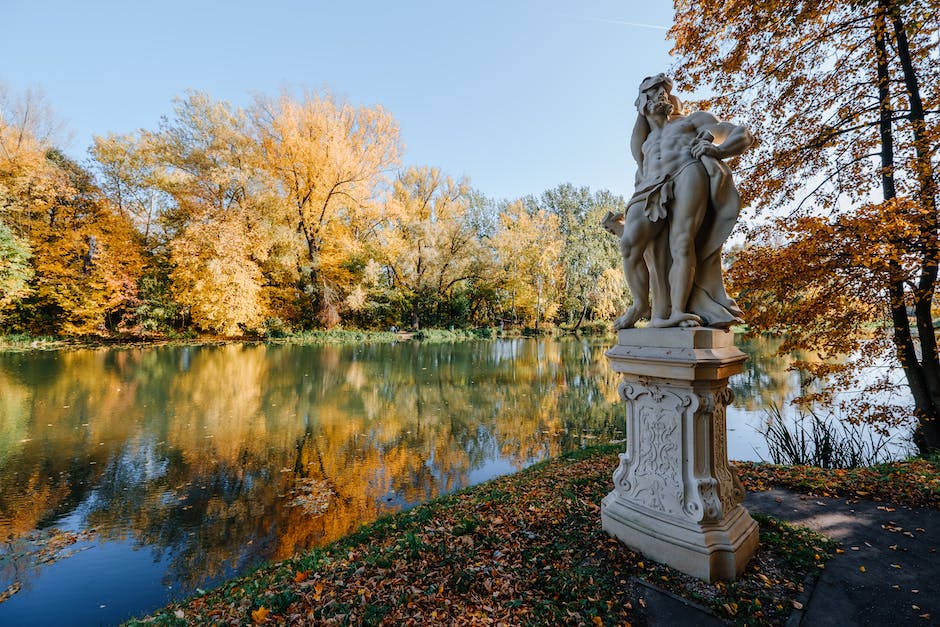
<point x="695" y="354"/>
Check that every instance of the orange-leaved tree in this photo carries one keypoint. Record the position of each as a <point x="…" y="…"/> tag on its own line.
<point x="843" y="98"/>
<point x="69" y="262"/>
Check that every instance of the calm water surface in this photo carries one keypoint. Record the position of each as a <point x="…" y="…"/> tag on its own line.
<point x="132" y="477"/>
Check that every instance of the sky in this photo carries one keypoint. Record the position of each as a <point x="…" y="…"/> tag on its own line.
<point x="519" y="96"/>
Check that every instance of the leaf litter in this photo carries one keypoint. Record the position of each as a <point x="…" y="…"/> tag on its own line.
<point x="521" y="549"/>
<point x="914" y="482"/>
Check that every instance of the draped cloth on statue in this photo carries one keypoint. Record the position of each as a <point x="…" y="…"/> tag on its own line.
<point x="708" y="298"/>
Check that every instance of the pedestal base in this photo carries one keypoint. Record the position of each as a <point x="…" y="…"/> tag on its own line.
<point x="676" y="499"/>
<point x="712" y="552"/>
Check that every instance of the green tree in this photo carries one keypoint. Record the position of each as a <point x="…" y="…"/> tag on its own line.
<point x="15" y="270"/>
<point x="589" y="251"/>
<point x="844" y="100"/>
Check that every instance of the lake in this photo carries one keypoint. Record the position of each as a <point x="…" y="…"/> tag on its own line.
<point x="130" y="477"/>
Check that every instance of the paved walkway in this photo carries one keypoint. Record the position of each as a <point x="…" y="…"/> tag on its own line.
<point x="896" y="546"/>
<point x="888" y="575"/>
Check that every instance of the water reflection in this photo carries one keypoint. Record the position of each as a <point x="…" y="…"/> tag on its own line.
<point x="218" y="457"/>
<point x="211" y="459"/>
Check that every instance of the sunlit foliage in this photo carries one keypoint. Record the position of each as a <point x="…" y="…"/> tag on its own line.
<point x="328" y="161"/>
<point x="529" y="246"/>
<point x="84" y="257"/>
<point x="429" y="245"/>
<point x="592" y="276"/>
<point x="842" y="258"/>
<point x="289" y="214"/>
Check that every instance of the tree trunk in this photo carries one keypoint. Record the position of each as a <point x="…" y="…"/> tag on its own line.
<point x="927" y="403"/>
<point x="580" y="318"/>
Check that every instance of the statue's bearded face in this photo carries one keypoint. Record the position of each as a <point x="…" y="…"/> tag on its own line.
<point x="658" y="102"/>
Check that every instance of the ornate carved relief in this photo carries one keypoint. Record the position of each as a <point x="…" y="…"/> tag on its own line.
<point x="648" y="473"/>
<point x="716" y="489"/>
<point x="676" y="455"/>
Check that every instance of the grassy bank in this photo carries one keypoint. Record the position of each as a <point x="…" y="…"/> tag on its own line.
<point x="522" y="549"/>
<point x="23" y="343"/>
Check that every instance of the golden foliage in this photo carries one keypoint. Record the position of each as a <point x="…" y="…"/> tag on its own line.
<point x="84" y="257"/>
<point x="843" y="99"/>
<point x="428" y="244"/>
<point x="328" y="159"/>
<point x="215" y="278"/>
<point x="528" y="246"/>
<point x="281" y="215"/>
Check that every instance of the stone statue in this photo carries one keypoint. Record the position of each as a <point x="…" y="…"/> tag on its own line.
<point x="680" y="215"/>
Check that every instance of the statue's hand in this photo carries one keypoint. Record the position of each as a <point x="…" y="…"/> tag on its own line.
<point x="702" y="147"/>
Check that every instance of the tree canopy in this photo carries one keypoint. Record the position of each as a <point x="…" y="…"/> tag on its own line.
<point x="294" y="213"/>
<point x="842" y="249"/>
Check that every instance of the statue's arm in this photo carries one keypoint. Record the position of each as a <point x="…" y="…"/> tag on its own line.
<point x="728" y="140"/>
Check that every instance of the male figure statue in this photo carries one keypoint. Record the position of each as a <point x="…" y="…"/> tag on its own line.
<point x="681" y="213"/>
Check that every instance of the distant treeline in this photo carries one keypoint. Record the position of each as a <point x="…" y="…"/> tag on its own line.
<point x="291" y="214"/>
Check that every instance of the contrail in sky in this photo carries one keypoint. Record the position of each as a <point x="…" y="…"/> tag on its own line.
<point x="620" y="22"/>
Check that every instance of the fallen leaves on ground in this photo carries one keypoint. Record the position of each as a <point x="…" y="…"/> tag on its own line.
<point x="913" y="482"/>
<point x="521" y="549"/>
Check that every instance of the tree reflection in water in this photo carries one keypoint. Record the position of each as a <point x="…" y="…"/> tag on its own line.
<point x="217" y="458"/>
<point x="205" y="454"/>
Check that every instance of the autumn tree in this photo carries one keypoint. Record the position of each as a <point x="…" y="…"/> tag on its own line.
<point x="129" y="175"/>
<point x="529" y="247"/>
<point x="429" y="244"/>
<point x="844" y="99"/>
<point x="217" y="218"/>
<point x="589" y="251"/>
<point x="83" y="257"/>
<point x="328" y="161"/>
<point x="86" y="257"/>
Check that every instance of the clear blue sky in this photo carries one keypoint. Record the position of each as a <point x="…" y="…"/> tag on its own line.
<point x="519" y="96"/>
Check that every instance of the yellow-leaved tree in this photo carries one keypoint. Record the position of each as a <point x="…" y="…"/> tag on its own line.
<point x="216" y="274"/>
<point x="429" y="244"/>
<point x="328" y="161"/>
<point x="529" y="246"/>
<point x="217" y="217"/>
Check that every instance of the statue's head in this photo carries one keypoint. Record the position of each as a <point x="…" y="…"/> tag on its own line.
<point x="656" y="97"/>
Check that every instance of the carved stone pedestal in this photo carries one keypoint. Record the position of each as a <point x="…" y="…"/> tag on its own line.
<point x="675" y="499"/>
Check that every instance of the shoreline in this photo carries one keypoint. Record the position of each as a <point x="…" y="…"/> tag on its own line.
<point x="521" y="548"/>
<point x="528" y="548"/>
<point x="24" y="343"/>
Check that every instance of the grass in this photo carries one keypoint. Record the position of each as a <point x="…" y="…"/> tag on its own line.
<point x="824" y="442"/>
<point x="19" y="342"/>
<point x="25" y="342"/>
<point x="523" y="549"/>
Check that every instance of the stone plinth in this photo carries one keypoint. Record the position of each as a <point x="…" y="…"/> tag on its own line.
<point x="675" y="498"/>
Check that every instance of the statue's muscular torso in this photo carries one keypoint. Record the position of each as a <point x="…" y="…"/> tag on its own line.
<point x="667" y="149"/>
